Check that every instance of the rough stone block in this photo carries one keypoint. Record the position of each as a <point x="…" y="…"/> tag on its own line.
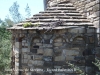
<point x="39" y="44"/>
<point x="38" y="57"/>
<point x="77" y="30"/>
<point x="29" y="57"/>
<point x="58" y="40"/>
<point x="59" y="74"/>
<point x="16" y="60"/>
<point x="48" y="52"/>
<point x="70" y="52"/>
<point x="24" y="50"/>
<point x="76" y="48"/>
<point x="30" y="63"/>
<point x="90" y="30"/>
<point x="25" y="60"/>
<point x="47" y="45"/>
<point x="16" y="50"/>
<point x="96" y="23"/>
<point x="90" y="4"/>
<point x="36" y="40"/>
<point x="16" y="64"/>
<point x="94" y="15"/>
<point x="25" y="56"/>
<point x="58" y="44"/>
<point x="16" y="73"/>
<point x="23" y="41"/>
<point x="47" y="58"/>
<point x="23" y="44"/>
<point x="28" y="73"/>
<point x="16" y="55"/>
<point x="31" y="31"/>
<point x="40" y="51"/>
<point x="96" y="7"/>
<point x="57" y="66"/>
<point x="69" y="58"/>
<point x="17" y="44"/>
<point x="26" y="44"/>
<point x="61" y="31"/>
<point x="37" y="63"/>
<point x="59" y="58"/>
<point x="96" y="19"/>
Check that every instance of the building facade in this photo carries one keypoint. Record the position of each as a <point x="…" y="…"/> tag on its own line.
<point x="54" y="39"/>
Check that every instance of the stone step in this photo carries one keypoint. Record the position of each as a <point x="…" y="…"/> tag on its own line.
<point x="61" y="17"/>
<point x="58" y="11"/>
<point x="67" y="5"/>
<point x="58" y="14"/>
<point x="54" y="20"/>
<point x="64" y="24"/>
<point x="61" y="8"/>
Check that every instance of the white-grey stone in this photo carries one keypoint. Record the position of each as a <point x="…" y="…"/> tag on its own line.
<point x="25" y="56"/>
<point x="25" y="60"/>
<point x="59" y="58"/>
<point x="24" y="50"/>
<point x="17" y="44"/>
<point x="96" y="24"/>
<point x="38" y="57"/>
<point x="48" y="52"/>
<point x="16" y="64"/>
<point x="58" y="40"/>
<point x="40" y="51"/>
<point x="16" y="50"/>
<point x="39" y="44"/>
<point x="38" y="63"/>
<point x="58" y="44"/>
<point x="71" y="52"/>
<point x="36" y="40"/>
<point x="69" y="58"/>
<point x="16" y="55"/>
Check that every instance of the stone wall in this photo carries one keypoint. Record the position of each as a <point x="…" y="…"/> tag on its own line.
<point x="88" y="8"/>
<point x="44" y="51"/>
<point x="36" y="50"/>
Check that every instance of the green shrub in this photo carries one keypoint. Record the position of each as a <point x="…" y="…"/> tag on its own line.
<point x="28" y="24"/>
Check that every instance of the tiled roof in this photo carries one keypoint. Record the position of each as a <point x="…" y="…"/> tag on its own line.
<point x="58" y="16"/>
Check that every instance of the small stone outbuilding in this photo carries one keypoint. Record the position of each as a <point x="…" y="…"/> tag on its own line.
<point x="50" y="39"/>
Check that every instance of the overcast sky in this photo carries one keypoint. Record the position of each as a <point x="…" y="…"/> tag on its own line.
<point x="35" y="6"/>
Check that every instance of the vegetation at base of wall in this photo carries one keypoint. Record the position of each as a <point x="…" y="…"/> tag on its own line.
<point x="78" y="70"/>
<point x="97" y="63"/>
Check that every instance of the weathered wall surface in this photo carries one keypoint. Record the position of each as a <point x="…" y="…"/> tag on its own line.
<point x="50" y="50"/>
<point x="88" y="8"/>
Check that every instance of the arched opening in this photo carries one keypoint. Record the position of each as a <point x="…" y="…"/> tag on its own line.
<point x="35" y="44"/>
<point x="79" y="41"/>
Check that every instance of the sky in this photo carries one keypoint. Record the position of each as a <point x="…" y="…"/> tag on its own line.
<point x="35" y="6"/>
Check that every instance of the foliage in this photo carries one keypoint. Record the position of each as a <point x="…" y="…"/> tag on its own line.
<point x="5" y="48"/>
<point x="0" y="20"/>
<point x="14" y="12"/>
<point x="28" y="11"/>
<point x="97" y="63"/>
<point x="78" y="70"/>
<point x="9" y="22"/>
<point x="28" y="24"/>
